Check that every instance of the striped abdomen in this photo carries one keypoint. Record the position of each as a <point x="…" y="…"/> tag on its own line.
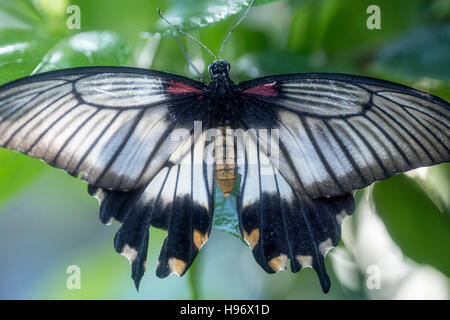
<point x="225" y="160"/>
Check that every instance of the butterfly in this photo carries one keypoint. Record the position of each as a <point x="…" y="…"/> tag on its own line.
<point x="155" y="147"/>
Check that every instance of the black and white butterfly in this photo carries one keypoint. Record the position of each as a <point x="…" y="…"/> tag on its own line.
<point x="153" y="146"/>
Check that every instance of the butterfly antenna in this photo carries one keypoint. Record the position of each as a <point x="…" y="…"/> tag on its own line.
<point x="185" y="54"/>
<point x="177" y="28"/>
<point x="235" y="26"/>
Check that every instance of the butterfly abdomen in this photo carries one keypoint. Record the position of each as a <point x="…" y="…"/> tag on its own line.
<point x="225" y="160"/>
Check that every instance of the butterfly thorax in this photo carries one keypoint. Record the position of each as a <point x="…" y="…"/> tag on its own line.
<point x="222" y="109"/>
<point x="222" y="92"/>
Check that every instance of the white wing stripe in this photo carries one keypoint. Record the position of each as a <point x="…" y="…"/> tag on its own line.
<point x="426" y="151"/>
<point x="14" y="133"/>
<point x="139" y="145"/>
<point x="413" y="131"/>
<point x="331" y="151"/>
<point x="21" y="109"/>
<point x="55" y="118"/>
<point x="296" y="157"/>
<point x="110" y="143"/>
<point x="359" y="151"/>
<point x="11" y="95"/>
<point x="55" y="135"/>
<point x="72" y="135"/>
<point x="431" y="110"/>
<point x="110" y="90"/>
<point x="392" y="128"/>
<point x="76" y="151"/>
<point x="396" y="156"/>
<point x="91" y="146"/>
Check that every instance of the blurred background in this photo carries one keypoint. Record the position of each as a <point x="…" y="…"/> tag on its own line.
<point x="396" y="244"/>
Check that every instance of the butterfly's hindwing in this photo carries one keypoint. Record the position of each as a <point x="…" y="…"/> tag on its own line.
<point x="179" y="199"/>
<point x="280" y="224"/>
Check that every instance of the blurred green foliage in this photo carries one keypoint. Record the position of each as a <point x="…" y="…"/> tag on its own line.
<point x="412" y="47"/>
<point x="414" y="221"/>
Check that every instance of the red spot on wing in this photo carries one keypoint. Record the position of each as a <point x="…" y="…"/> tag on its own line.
<point x="176" y="87"/>
<point x="266" y="90"/>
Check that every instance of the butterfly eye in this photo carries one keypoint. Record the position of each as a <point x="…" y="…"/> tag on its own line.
<point x="219" y="67"/>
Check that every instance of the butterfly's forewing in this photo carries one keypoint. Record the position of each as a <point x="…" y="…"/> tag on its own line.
<point x="95" y="121"/>
<point x="339" y="133"/>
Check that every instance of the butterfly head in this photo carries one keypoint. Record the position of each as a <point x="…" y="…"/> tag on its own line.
<point x="219" y="69"/>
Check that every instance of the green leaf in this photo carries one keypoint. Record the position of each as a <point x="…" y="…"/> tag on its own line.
<point x="22" y="10"/>
<point x="190" y="15"/>
<point x="84" y="49"/>
<point x="272" y="62"/>
<point x="438" y="183"/>
<point x="423" y="52"/>
<point x="21" y="50"/>
<point x="225" y="216"/>
<point x="16" y="171"/>
<point x="339" y="27"/>
<point x="414" y="222"/>
<point x="440" y="10"/>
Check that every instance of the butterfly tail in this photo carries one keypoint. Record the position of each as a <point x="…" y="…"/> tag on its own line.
<point x="131" y="240"/>
<point x="188" y="226"/>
